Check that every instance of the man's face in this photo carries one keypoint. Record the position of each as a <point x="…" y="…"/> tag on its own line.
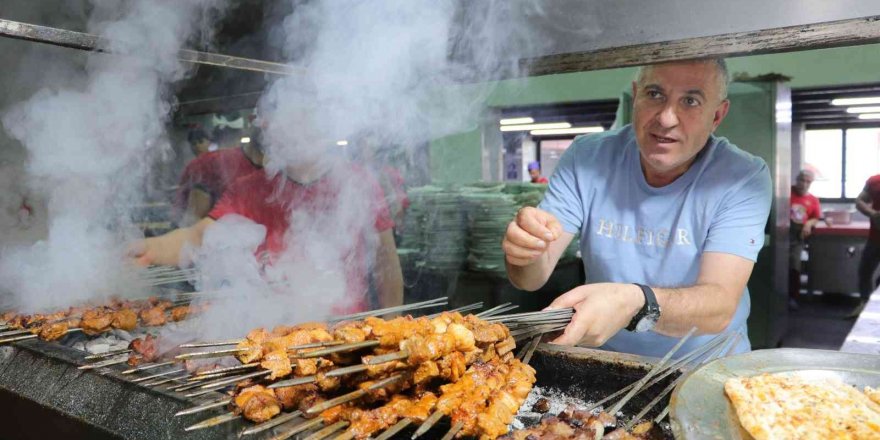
<point x="802" y="183"/>
<point x="535" y="173"/>
<point x="675" y="109"/>
<point x="200" y="146"/>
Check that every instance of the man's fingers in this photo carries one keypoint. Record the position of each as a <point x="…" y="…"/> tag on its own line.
<point x="567" y="299"/>
<point x="136" y="249"/>
<point x="554" y="226"/>
<point x="521" y="238"/>
<point x="519" y="261"/>
<point x="532" y="220"/>
<point x="573" y="333"/>
<point x="518" y="252"/>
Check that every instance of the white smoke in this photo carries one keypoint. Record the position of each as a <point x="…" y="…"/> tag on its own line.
<point x="398" y="72"/>
<point x="89" y="148"/>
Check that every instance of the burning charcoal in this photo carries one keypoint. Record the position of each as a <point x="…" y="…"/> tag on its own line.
<point x="541" y="406"/>
<point x="97" y="347"/>
<point x="122" y="334"/>
<point x="567" y="413"/>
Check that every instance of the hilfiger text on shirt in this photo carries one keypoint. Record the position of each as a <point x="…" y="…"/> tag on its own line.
<point x="660" y="237"/>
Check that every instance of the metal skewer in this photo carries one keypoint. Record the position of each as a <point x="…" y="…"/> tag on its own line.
<point x="300" y="427"/>
<point x="204" y="407"/>
<point x="213" y="421"/>
<point x="721" y="349"/>
<point x="390" y="432"/>
<point x="166" y="380"/>
<point x="338" y="349"/>
<point x="207" y="388"/>
<point x="651" y="373"/>
<point x="328" y="431"/>
<point x="147" y="367"/>
<point x="220" y="372"/>
<point x="293" y="382"/>
<point x="452" y="431"/>
<point x="26" y="337"/>
<point x="162" y="374"/>
<point x="428" y="424"/>
<point x="356" y="394"/>
<point x="102" y="364"/>
<point x="271" y="423"/>
<point x="108" y="354"/>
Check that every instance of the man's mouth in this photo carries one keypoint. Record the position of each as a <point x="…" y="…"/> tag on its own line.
<point x="663" y="139"/>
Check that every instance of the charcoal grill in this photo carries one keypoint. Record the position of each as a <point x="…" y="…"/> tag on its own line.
<point x="44" y="395"/>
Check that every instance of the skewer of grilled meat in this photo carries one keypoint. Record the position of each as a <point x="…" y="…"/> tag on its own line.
<point x="96" y="320"/>
<point x="573" y="424"/>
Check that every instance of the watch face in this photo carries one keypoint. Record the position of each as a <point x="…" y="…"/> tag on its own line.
<point x="645" y="324"/>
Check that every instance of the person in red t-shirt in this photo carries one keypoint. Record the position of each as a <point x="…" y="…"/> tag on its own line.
<point x="205" y="178"/>
<point x="868" y="203"/>
<point x="339" y="211"/>
<point x="805" y="213"/>
<point x="535" y="173"/>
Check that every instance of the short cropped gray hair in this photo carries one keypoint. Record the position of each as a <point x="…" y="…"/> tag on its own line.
<point x="719" y="63"/>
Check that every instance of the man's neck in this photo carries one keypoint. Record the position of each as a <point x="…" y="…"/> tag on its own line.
<point x="658" y="179"/>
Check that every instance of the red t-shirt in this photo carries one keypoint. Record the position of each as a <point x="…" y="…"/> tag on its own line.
<point x="341" y="212"/>
<point x="804" y="207"/>
<point x="872" y="187"/>
<point x="213" y="172"/>
<point x="540" y="179"/>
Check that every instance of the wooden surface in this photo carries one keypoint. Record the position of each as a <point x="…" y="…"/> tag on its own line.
<point x="851" y="32"/>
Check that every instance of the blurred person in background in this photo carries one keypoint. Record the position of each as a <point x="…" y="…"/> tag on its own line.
<point x="868" y="203"/>
<point x="382" y="161"/>
<point x="200" y="142"/>
<point x="205" y="178"/>
<point x="320" y="200"/>
<point x="805" y="213"/>
<point x="535" y="173"/>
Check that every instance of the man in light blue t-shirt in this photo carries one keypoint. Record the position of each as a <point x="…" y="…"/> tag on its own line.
<point x="671" y="220"/>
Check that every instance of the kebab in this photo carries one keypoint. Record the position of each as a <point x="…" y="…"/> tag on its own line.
<point x="120" y="314"/>
<point x="452" y="367"/>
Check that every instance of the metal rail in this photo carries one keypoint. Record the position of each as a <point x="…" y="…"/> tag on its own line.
<point x="93" y="43"/>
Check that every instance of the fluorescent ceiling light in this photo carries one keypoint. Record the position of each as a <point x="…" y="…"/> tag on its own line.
<point x="856" y="101"/>
<point x="525" y="127"/>
<point x="245" y="140"/>
<point x="511" y="121"/>
<point x="572" y="130"/>
<point x="869" y="116"/>
<point x="342" y="143"/>
<point x="863" y="110"/>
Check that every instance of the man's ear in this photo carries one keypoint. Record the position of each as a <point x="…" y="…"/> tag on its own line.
<point x="720" y="113"/>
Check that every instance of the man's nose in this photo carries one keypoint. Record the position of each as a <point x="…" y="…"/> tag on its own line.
<point x="667" y="117"/>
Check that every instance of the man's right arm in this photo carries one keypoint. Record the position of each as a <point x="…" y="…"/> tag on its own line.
<point x="198" y="206"/>
<point x="165" y="249"/>
<point x="532" y="246"/>
<point x="865" y="205"/>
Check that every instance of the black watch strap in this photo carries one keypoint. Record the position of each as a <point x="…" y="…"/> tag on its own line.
<point x="650" y="307"/>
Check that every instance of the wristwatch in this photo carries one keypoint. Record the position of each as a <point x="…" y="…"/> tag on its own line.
<point x="648" y="316"/>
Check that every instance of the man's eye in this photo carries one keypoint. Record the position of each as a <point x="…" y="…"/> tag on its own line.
<point x="691" y="102"/>
<point x="653" y="94"/>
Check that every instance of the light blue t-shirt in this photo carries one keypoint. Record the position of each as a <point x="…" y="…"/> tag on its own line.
<point x="634" y="233"/>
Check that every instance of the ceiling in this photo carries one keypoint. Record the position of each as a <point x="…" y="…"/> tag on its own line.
<point x="812" y="106"/>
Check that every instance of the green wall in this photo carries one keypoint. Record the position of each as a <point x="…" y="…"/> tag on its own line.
<point x="458" y="158"/>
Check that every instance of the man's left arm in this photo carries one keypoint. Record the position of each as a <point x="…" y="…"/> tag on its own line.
<point x="709" y="304"/>
<point x="389" y="277"/>
<point x="603" y="309"/>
